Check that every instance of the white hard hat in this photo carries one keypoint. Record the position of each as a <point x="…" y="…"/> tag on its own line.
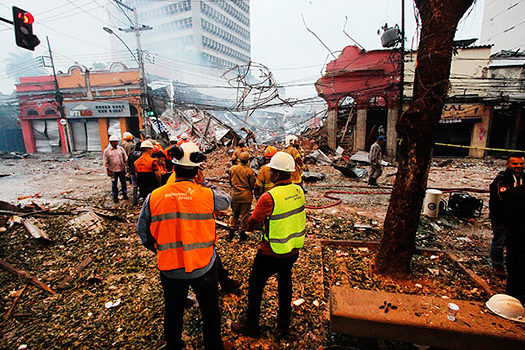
<point x="184" y="136"/>
<point x="289" y="139"/>
<point x="146" y="144"/>
<point x="188" y="159"/>
<point x="507" y="307"/>
<point x="113" y="138"/>
<point x="173" y="139"/>
<point x="282" y="161"/>
<point x="127" y="136"/>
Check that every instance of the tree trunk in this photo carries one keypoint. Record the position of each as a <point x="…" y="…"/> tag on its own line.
<point x="417" y="128"/>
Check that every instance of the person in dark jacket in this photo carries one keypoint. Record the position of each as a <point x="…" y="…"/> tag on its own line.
<point x="507" y="208"/>
<point x="132" y="157"/>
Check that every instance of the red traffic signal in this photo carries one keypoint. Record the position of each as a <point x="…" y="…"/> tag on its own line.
<point x="23" y="25"/>
<point x="26" y="17"/>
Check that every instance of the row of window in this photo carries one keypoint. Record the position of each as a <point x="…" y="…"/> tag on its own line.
<point x="232" y="11"/>
<point x="216" y="46"/>
<point x="175" y="25"/>
<point x="220" y="18"/>
<point x="218" y="62"/>
<point x="161" y="46"/>
<point x="32" y="111"/>
<point x="242" y="5"/>
<point x="172" y="9"/>
<point x="211" y="28"/>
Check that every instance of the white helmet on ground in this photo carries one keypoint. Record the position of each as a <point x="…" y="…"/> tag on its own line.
<point x="146" y="144"/>
<point x="173" y="139"/>
<point x="113" y="138"/>
<point x="193" y="157"/>
<point x="507" y="307"/>
<point x="184" y="136"/>
<point x="282" y="161"/>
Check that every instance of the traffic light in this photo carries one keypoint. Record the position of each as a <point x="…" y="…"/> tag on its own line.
<point x="150" y="113"/>
<point x="23" y="23"/>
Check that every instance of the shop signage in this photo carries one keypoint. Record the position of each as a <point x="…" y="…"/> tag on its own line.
<point x="102" y="109"/>
<point x="461" y="113"/>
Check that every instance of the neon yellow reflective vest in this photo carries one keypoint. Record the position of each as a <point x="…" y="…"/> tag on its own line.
<point x="287" y="222"/>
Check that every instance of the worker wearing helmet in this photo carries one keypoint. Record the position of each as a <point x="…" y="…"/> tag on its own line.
<point x="160" y="156"/>
<point x="263" y="182"/>
<point x="242" y="182"/>
<point x="289" y="147"/>
<point x="177" y="223"/>
<point x="375" y="157"/>
<point x="241" y="147"/>
<point x="250" y="136"/>
<point x="128" y="143"/>
<point x="115" y="159"/>
<point x="183" y="139"/>
<point x="169" y="158"/>
<point x="281" y="209"/>
<point x="149" y="175"/>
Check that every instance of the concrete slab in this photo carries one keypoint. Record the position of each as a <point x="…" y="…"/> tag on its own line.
<point x="421" y="320"/>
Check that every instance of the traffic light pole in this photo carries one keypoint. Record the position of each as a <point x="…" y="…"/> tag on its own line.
<point x="59" y="98"/>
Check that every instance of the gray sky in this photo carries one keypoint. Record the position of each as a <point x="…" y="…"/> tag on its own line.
<point x="278" y="36"/>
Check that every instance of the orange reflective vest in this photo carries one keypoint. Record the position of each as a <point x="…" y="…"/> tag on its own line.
<point x="183" y="226"/>
<point x="144" y="164"/>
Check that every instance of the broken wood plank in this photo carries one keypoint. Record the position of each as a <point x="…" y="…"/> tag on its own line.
<point x="31" y="226"/>
<point x="19" y="295"/>
<point x="478" y="280"/>
<point x="26" y="276"/>
<point x="77" y="269"/>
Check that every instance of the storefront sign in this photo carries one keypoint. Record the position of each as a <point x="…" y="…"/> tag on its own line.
<point x="102" y="109"/>
<point x="461" y="113"/>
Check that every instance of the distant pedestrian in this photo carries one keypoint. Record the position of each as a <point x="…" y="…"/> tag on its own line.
<point x="115" y="159"/>
<point x="263" y="183"/>
<point x="242" y="182"/>
<point x="128" y="143"/>
<point x="375" y="158"/>
<point x="250" y="136"/>
<point x="290" y="145"/>
<point x="507" y="210"/>
<point x="148" y="171"/>
<point x="133" y="156"/>
<point x="282" y="211"/>
<point x="241" y="147"/>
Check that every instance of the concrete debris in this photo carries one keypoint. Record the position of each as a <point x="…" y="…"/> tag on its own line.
<point x="87" y="221"/>
<point x="311" y="176"/>
<point x="32" y="226"/>
<point x="362" y="157"/>
<point x="351" y="170"/>
<point x="318" y="156"/>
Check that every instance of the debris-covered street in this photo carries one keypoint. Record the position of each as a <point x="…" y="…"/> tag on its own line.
<point x="105" y="285"/>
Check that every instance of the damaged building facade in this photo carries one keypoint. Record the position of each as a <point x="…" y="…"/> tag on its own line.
<point x="97" y="104"/>
<point x="361" y="89"/>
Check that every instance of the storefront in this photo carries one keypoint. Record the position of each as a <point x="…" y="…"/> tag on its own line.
<point x="91" y="123"/>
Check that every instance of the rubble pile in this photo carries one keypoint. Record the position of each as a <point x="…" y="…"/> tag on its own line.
<point x="104" y="288"/>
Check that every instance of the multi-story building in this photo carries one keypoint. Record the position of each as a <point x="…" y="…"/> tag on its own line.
<point x="213" y="33"/>
<point x="503" y="25"/>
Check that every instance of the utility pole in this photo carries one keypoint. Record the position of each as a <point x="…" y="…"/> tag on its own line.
<point x="140" y="54"/>
<point x="59" y="98"/>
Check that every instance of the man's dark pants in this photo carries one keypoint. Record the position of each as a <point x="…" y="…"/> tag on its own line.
<point x="121" y="175"/>
<point x="498" y="244"/>
<point x="516" y="265"/>
<point x="207" y="292"/>
<point x="263" y="267"/>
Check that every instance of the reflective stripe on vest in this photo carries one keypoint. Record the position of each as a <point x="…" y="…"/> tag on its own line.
<point x="183" y="225"/>
<point x="144" y="164"/>
<point x="287" y="222"/>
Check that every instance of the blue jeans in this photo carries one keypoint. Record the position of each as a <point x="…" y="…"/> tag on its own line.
<point x="121" y="175"/>
<point x="498" y="243"/>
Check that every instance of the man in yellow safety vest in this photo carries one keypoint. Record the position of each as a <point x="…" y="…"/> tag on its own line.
<point x="282" y="211"/>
